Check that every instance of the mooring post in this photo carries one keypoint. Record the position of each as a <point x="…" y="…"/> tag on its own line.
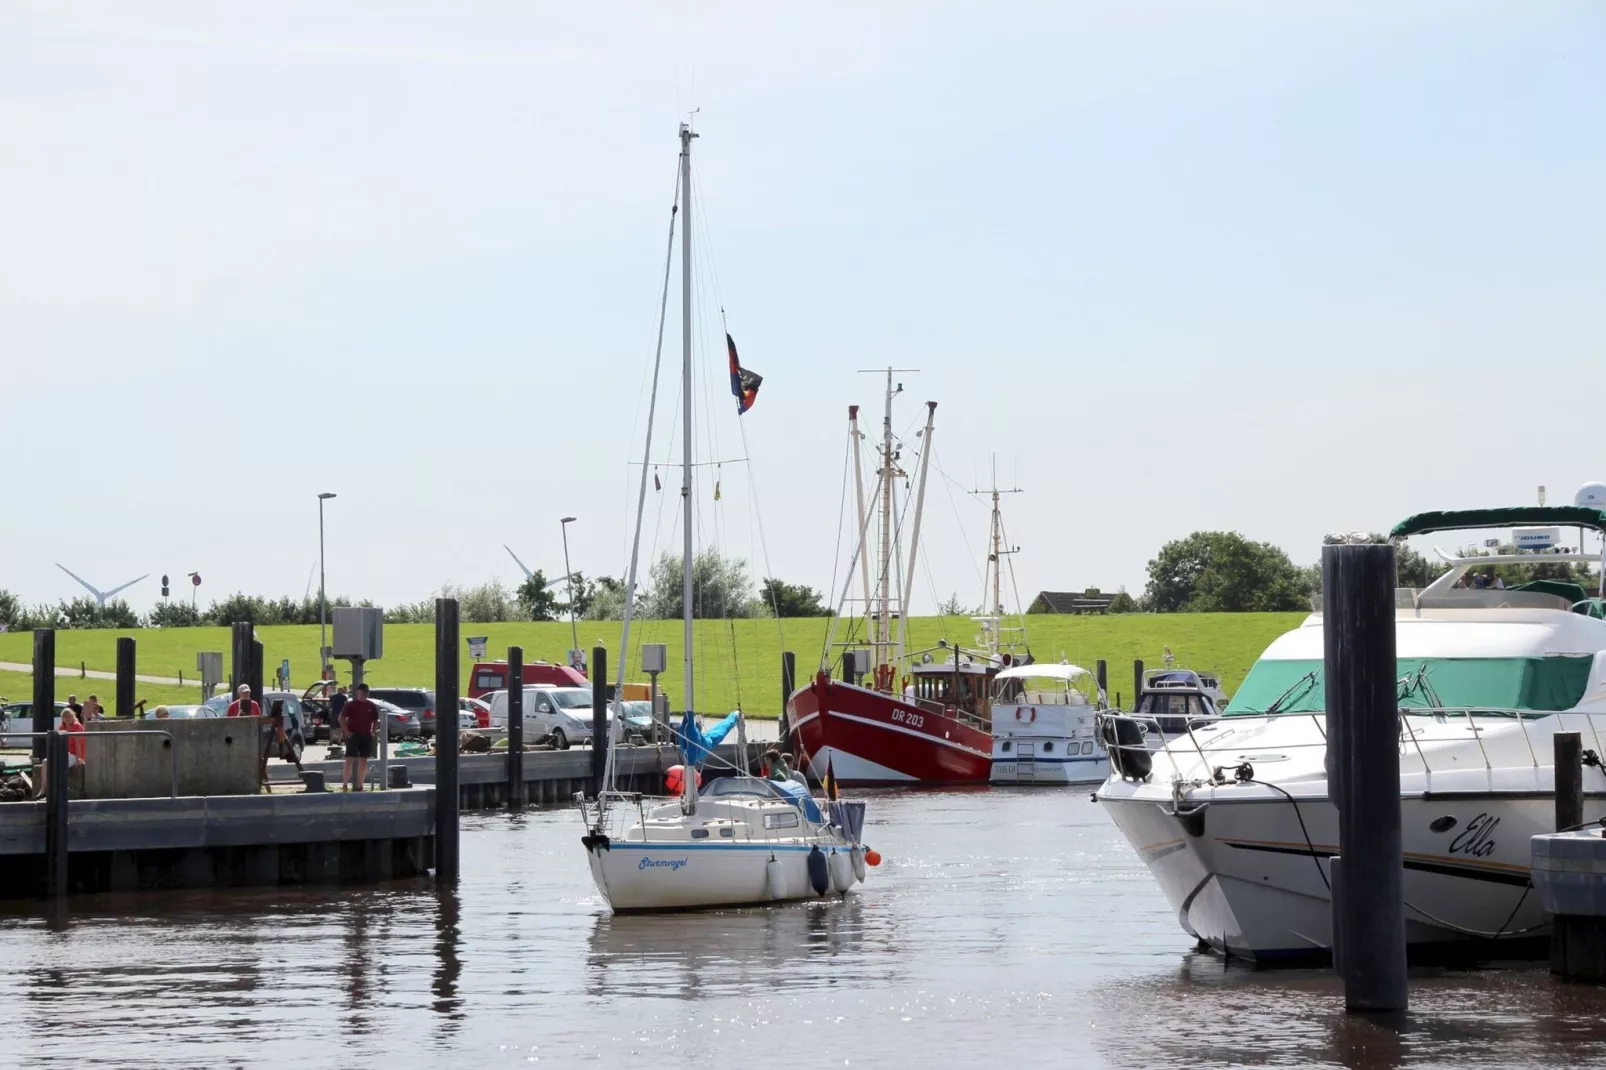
<point x="848" y="666"/>
<point x="446" y="791"/>
<point x="1101" y="674"/>
<point x="258" y="693"/>
<point x="44" y="687"/>
<point x="238" y="656"/>
<point x="788" y="685"/>
<point x="599" y="717"/>
<point x="1363" y="736"/>
<point x="1137" y="683"/>
<point x="1569" y="752"/>
<point x="515" y="727"/>
<point x="1568" y="749"/>
<point x="124" y="703"/>
<point x="56" y="852"/>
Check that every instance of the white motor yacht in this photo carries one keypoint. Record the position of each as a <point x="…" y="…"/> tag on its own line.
<point x="1044" y="729"/>
<point x="1234" y="819"/>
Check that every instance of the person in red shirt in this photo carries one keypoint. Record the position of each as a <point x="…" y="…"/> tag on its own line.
<point x="77" y="746"/>
<point x="242" y="706"/>
<point x="357" y="720"/>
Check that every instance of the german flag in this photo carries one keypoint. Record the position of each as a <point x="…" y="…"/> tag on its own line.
<point x="744" y="384"/>
<point x="830" y="781"/>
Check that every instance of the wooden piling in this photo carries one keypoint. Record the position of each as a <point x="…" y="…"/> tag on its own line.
<point x="447" y="684"/>
<point x="1101" y="673"/>
<point x="123" y="704"/>
<point x="44" y="687"/>
<point x="239" y="656"/>
<point x="788" y="685"/>
<point x="258" y="692"/>
<point x="515" y="727"/>
<point x="1569" y="753"/>
<point x="848" y="666"/>
<point x="1137" y="683"/>
<point x="56" y="856"/>
<point x="599" y="717"/>
<point x="1363" y="736"/>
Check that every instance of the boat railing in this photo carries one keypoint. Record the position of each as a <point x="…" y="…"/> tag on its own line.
<point x="1415" y="727"/>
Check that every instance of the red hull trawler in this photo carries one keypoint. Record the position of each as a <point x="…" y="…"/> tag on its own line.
<point x="929" y="722"/>
<point x="868" y="737"/>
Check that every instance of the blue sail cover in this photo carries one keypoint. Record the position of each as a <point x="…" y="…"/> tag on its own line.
<point x="695" y="744"/>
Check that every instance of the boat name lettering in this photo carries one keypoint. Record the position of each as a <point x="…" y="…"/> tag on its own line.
<point x="1477" y="839"/>
<point x="913" y="720"/>
<point x="673" y="864"/>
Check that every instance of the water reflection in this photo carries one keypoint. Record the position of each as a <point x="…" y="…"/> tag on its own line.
<point x="712" y="954"/>
<point x="448" y="964"/>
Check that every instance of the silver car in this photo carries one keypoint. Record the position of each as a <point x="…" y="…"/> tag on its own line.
<point x="562" y="712"/>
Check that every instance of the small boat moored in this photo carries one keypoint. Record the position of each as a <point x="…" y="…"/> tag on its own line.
<point x="1044" y="729"/>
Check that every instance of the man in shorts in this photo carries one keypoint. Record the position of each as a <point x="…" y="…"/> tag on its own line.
<point x="358" y="719"/>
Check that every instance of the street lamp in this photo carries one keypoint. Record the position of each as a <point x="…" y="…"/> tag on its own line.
<point x="574" y="630"/>
<point x="323" y="603"/>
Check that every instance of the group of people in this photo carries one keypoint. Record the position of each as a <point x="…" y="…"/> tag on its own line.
<point x="1487" y="580"/>
<point x="778" y="766"/>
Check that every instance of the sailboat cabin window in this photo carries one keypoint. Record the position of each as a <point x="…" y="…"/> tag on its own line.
<point x="780" y="821"/>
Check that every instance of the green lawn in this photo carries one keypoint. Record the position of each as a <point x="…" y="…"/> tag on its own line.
<point x="738" y="662"/>
<point x="18" y="687"/>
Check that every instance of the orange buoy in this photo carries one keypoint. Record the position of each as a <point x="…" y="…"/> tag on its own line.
<point x="675" y="779"/>
<point x="872" y="857"/>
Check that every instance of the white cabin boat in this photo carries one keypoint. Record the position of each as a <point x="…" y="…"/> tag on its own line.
<point x="1045" y="726"/>
<point x="1234" y="819"/>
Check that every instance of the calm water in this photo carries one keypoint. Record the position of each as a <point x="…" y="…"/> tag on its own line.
<point x="1003" y="928"/>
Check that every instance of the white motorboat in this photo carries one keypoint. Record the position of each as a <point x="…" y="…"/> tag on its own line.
<point x="1233" y="817"/>
<point x="1175" y="701"/>
<point x="1044" y="726"/>
<point x="747" y="840"/>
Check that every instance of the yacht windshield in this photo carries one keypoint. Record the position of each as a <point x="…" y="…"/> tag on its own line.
<point x="1556" y="682"/>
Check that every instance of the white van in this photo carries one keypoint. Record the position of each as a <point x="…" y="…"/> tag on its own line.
<point x="565" y="712"/>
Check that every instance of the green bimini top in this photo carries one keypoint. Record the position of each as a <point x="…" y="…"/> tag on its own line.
<point x="1555" y="682"/>
<point x="1571" y="516"/>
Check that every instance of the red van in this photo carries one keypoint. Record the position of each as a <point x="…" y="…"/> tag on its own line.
<point x="488" y="676"/>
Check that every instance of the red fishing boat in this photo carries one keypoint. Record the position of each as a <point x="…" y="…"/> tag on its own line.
<point x="896" y="716"/>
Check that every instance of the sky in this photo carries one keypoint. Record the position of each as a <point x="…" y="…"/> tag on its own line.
<point x="1277" y="268"/>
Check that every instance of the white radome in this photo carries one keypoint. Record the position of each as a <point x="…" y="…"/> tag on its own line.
<point x="1591" y="496"/>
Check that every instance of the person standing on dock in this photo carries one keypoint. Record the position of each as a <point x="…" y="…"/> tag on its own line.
<point x="357" y="721"/>
<point x="92" y="711"/>
<point x="337" y="702"/>
<point x="242" y="706"/>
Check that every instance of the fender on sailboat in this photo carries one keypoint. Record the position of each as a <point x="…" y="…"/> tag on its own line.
<point x="819" y="871"/>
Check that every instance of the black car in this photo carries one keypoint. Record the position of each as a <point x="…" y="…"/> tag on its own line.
<point x="415" y="700"/>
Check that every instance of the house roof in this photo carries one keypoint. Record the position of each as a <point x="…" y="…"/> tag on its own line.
<point x="1063" y="601"/>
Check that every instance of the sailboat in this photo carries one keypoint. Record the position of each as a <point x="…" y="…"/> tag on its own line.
<point x="745" y="839"/>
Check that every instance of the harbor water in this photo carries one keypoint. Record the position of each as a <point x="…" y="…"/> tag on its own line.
<point x="1011" y="928"/>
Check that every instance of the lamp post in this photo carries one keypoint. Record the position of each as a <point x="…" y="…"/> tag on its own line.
<point x="574" y="629"/>
<point x="323" y="602"/>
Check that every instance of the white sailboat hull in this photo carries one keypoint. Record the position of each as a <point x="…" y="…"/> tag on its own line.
<point x="636" y="876"/>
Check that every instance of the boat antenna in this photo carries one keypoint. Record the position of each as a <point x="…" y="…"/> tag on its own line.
<point x="689" y="791"/>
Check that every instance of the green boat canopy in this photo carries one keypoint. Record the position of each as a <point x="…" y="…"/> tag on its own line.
<point x="1554" y="682"/>
<point x="1572" y="516"/>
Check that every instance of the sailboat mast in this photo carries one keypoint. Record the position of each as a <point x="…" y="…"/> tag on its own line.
<point x="858" y="485"/>
<point x="914" y="538"/>
<point x="998" y="549"/>
<point x="883" y="633"/>
<point x="686" y="135"/>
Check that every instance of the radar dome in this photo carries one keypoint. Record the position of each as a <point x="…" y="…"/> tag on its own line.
<point x="1591" y="496"/>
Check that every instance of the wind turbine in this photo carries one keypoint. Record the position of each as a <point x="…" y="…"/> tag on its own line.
<point x="100" y="596"/>
<point x="527" y="573"/>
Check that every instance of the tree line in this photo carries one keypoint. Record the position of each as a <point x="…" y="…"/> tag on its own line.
<point x="1206" y="572"/>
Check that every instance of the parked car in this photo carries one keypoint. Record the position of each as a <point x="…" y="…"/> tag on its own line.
<point x="183" y="713"/>
<point x="403" y="724"/>
<point x="564" y="712"/>
<point x="637" y="714"/>
<point x="488" y="676"/>
<point x="18" y="716"/>
<point x="478" y="710"/>
<point x="315" y="707"/>
<point x="415" y="700"/>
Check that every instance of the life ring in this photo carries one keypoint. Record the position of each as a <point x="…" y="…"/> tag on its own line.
<point x="1017" y="713"/>
<point x="1033" y="712"/>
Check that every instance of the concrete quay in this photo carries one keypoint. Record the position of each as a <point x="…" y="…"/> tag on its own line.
<point x="223" y="840"/>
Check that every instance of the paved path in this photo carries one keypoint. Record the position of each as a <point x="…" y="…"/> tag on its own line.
<point x="97" y="674"/>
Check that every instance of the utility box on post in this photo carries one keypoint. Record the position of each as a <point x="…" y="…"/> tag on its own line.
<point x="359" y="633"/>
<point x="654" y="657"/>
<point x="209" y="663"/>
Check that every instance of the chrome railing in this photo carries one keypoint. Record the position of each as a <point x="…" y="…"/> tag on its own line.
<point x="1414" y="733"/>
